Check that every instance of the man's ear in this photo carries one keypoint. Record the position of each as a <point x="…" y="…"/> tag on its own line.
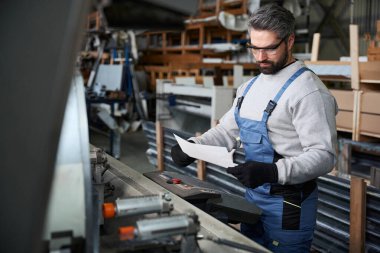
<point x="291" y="41"/>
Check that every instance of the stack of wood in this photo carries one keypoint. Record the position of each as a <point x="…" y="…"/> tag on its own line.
<point x="374" y="45"/>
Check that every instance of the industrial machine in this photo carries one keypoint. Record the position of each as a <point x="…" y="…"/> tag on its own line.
<point x="63" y="183"/>
<point x="179" y="104"/>
<point x="176" y="233"/>
<point x="226" y="207"/>
<point x="133" y="217"/>
<point x="138" y="205"/>
<point x="141" y="215"/>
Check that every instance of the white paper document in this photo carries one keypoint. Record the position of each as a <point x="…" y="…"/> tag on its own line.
<point x="211" y="154"/>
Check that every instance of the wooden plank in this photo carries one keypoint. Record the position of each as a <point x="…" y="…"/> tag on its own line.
<point x="368" y="81"/>
<point x="164" y="42"/>
<point x="334" y="78"/>
<point x="356" y="115"/>
<point x="315" y="46"/>
<point x="201" y="36"/>
<point x="171" y="58"/>
<point x="218" y="7"/>
<point x="344" y="166"/>
<point x="357" y="214"/>
<point x="327" y="63"/>
<point x="354" y="53"/>
<point x="179" y="62"/>
<point x="201" y="166"/>
<point x="160" y="146"/>
<point x="346" y="130"/>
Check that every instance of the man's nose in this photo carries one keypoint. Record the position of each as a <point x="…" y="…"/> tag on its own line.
<point x="261" y="55"/>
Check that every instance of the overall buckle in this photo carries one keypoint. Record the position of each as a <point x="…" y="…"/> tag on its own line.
<point x="270" y="107"/>
<point x="239" y="102"/>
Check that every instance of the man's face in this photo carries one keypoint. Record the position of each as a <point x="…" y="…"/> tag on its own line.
<point x="270" y="52"/>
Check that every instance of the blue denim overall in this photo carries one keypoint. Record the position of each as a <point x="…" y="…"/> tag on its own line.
<point x="289" y="212"/>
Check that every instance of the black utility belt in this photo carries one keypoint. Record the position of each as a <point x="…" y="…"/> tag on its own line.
<point x="305" y="188"/>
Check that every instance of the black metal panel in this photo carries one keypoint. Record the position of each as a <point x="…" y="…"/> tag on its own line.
<point x="39" y="42"/>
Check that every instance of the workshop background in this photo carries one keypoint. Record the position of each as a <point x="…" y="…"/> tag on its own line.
<point x="123" y="76"/>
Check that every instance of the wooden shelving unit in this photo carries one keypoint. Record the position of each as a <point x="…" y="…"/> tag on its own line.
<point x="168" y="51"/>
<point x="212" y="8"/>
<point x="359" y="112"/>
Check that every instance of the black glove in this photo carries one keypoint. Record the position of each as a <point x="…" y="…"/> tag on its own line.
<point x="179" y="157"/>
<point x="253" y="174"/>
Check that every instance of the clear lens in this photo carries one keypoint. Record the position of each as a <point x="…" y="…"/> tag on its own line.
<point x="264" y="51"/>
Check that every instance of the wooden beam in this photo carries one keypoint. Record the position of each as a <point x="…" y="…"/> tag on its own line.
<point x="171" y="58"/>
<point x="201" y="36"/>
<point x="339" y="63"/>
<point x="356" y="115"/>
<point x="344" y="166"/>
<point x="164" y="42"/>
<point x="315" y="47"/>
<point x="201" y="167"/>
<point x="354" y="53"/>
<point x="160" y="146"/>
<point x="357" y="214"/>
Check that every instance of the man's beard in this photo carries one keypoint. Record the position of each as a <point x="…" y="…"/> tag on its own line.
<point x="274" y="66"/>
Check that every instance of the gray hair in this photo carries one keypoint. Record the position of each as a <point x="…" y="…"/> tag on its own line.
<point x="273" y="17"/>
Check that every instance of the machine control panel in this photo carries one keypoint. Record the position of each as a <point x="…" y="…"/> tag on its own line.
<point x="184" y="186"/>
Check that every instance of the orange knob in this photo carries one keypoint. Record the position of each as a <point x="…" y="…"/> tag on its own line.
<point x="127" y="233"/>
<point x="108" y="210"/>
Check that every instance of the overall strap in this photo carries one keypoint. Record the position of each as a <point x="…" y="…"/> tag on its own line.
<point x="272" y="103"/>
<point x="249" y="85"/>
<point x="240" y="99"/>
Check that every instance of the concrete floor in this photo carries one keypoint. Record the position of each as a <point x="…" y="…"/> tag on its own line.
<point x="132" y="149"/>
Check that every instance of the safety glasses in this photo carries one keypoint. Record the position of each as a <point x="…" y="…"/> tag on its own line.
<point x="271" y="50"/>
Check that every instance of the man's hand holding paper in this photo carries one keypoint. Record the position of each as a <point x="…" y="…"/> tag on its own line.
<point x="212" y="154"/>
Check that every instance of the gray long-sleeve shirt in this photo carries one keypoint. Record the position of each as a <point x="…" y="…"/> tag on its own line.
<point x="301" y="128"/>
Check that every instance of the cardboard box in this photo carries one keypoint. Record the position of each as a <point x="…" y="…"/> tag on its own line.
<point x="370" y="124"/>
<point x="369" y="70"/>
<point x="370" y="102"/>
<point x="345" y="100"/>
<point x="370" y="113"/>
<point x="344" y="121"/>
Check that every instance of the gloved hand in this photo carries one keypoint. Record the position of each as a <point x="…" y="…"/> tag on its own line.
<point x="253" y="174"/>
<point x="179" y="157"/>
